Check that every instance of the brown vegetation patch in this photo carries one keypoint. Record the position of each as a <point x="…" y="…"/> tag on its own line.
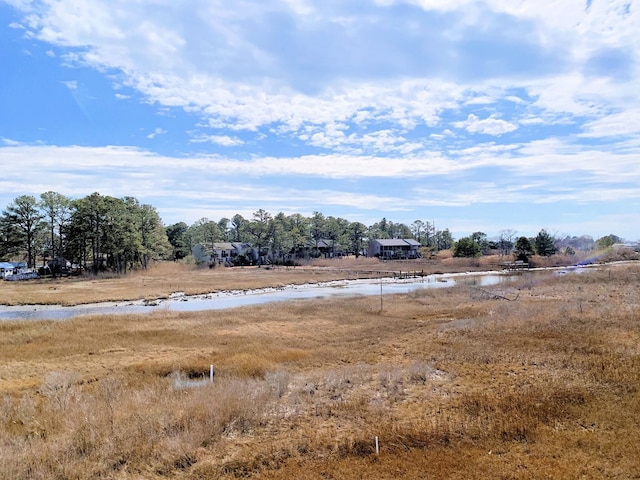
<point x="166" y="278"/>
<point x="453" y="385"/>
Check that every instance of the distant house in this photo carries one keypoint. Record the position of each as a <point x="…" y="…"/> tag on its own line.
<point x="325" y="248"/>
<point x="222" y="252"/>
<point x="7" y="269"/>
<point x="395" y="248"/>
<point x="14" y="270"/>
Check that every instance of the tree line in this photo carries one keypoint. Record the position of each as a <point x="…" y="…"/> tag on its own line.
<point x="543" y="244"/>
<point x="296" y="236"/>
<point x="100" y="232"/>
<point x="507" y="242"/>
<point x="95" y="232"/>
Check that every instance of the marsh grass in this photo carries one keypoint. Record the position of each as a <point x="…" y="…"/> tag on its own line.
<point x="163" y="279"/>
<point x="111" y="426"/>
<point x="159" y="281"/>
<point x="453" y="385"/>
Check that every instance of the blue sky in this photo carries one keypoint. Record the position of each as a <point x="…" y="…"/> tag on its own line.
<point x="476" y="115"/>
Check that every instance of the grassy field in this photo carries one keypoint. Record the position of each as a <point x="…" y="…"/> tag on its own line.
<point x="455" y="383"/>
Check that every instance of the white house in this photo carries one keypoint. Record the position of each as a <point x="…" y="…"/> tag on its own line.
<point x="7" y="269"/>
<point x="13" y="269"/>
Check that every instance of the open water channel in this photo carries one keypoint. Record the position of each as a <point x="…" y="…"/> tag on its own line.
<point x="179" y="302"/>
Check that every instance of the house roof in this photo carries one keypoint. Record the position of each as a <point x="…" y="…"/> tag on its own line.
<point x="322" y="243"/>
<point x="396" y="242"/>
<point x="411" y="241"/>
<point x="223" y="246"/>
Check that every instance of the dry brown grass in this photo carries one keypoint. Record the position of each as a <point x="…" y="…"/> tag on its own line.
<point x="159" y="281"/>
<point x="454" y="383"/>
<point x="165" y="278"/>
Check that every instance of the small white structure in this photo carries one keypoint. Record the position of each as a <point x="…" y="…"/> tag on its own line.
<point x="16" y="271"/>
<point x="7" y="269"/>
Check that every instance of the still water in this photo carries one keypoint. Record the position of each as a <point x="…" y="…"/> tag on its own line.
<point x="239" y="298"/>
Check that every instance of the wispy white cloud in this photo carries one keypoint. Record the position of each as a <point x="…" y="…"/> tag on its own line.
<point x="158" y="131"/>
<point x="487" y="126"/>
<point x="228" y="66"/>
<point x="337" y="138"/>
<point x="10" y="142"/>
<point x="223" y="140"/>
<point x="390" y="93"/>
<point x="177" y="66"/>
<point x="545" y="160"/>
<point x="618" y="124"/>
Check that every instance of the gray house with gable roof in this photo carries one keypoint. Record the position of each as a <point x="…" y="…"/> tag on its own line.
<point x="394" y="248"/>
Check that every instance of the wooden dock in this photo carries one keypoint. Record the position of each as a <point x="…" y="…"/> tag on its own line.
<point x="517" y="265"/>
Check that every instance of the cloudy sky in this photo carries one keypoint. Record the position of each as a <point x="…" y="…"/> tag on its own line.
<point x="477" y="115"/>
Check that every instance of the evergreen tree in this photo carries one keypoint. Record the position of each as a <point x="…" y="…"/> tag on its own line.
<point x="318" y="225"/>
<point x="337" y="231"/>
<point x="155" y="244"/>
<point x="260" y="230"/>
<point x="239" y="223"/>
<point x="357" y="232"/>
<point x="544" y="244"/>
<point x="523" y="249"/>
<point x="56" y="208"/>
<point x="179" y="240"/>
<point x="10" y="239"/>
<point x="466" y="247"/>
<point x="443" y="239"/>
<point x="300" y="232"/>
<point x="86" y="231"/>
<point x="205" y="232"/>
<point x="607" y="241"/>
<point x="22" y="222"/>
<point x="282" y="240"/>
